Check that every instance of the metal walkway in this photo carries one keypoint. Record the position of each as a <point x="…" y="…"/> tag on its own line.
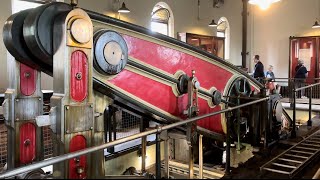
<point x="181" y="170"/>
<point x="296" y="158"/>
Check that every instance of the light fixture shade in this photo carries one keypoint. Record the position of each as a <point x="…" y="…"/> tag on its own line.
<point x="123" y="9"/>
<point x="213" y="24"/>
<point x="263" y="4"/>
<point x="316" y="25"/>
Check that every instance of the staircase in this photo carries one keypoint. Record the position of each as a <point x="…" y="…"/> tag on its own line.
<point x="296" y="158"/>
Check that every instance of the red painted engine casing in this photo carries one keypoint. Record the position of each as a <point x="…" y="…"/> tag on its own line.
<point x="79" y="76"/>
<point x="77" y="143"/>
<point x="27" y="80"/>
<point x="27" y="143"/>
<point x="171" y="60"/>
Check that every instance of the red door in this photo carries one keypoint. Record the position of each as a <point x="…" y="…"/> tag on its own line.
<point x="304" y="48"/>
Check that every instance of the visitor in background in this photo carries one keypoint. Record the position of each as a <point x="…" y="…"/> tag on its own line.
<point x="258" y="69"/>
<point x="300" y="76"/>
<point x="270" y="81"/>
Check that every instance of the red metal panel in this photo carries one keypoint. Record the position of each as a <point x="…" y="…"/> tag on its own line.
<point x="27" y="80"/>
<point x="161" y="96"/>
<point x="77" y="166"/>
<point x="27" y="143"/>
<point x="212" y="123"/>
<point x="171" y="61"/>
<point x="79" y="76"/>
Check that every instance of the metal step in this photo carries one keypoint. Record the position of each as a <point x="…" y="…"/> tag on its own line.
<point x="292" y="155"/>
<point x="182" y="169"/>
<point x="296" y="158"/>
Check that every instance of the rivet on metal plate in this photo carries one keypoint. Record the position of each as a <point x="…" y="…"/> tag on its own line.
<point x="27" y="75"/>
<point x="79" y="76"/>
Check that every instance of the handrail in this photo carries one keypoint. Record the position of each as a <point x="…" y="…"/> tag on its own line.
<point x="159" y="129"/>
<point x="316" y="175"/>
<point x="306" y="87"/>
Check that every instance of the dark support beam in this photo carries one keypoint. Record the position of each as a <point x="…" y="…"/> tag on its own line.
<point x="309" y="123"/>
<point x="244" y="32"/>
<point x="228" y="172"/>
<point x="158" y="156"/>
<point x="293" y="132"/>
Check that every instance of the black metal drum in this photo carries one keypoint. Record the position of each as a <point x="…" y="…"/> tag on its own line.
<point x="14" y="42"/>
<point x="38" y="29"/>
<point x="110" y="52"/>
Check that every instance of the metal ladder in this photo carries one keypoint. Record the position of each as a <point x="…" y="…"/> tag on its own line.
<point x="296" y="158"/>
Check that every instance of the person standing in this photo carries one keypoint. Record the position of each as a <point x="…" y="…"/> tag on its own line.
<point x="258" y="69"/>
<point x="271" y="84"/>
<point x="300" y="76"/>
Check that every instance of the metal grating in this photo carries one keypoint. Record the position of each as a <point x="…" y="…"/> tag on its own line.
<point x="47" y="140"/>
<point x="126" y="124"/>
<point x="129" y="125"/>
<point x="3" y="146"/>
<point x="122" y="123"/>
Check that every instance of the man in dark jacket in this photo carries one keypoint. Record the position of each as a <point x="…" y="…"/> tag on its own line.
<point x="300" y="76"/>
<point x="258" y="69"/>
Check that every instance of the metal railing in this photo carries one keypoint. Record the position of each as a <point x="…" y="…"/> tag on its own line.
<point x="309" y="123"/>
<point x="157" y="131"/>
<point x="286" y="85"/>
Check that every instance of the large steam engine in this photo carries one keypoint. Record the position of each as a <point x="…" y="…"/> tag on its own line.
<point x="158" y="76"/>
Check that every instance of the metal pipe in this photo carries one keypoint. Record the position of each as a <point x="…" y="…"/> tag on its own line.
<point x="200" y="157"/>
<point x="238" y="97"/>
<point x="263" y="118"/>
<point x="238" y="126"/>
<point x="269" y="123"/>
<point x="68" y="156"/>
<point x="228" y="144"/>
<point x="166" y="155"/>
<point x="316" y="175"/>
<point x="152" y="71"/>
<point x="158" y="156"/>
<point x="306" y="87"/>
<point x="293" y="132"/>
<point x="143" y="153"/>
<point x="191" y="158"/>
<point x="309" y="123"/>
<point x="244" y="33"/>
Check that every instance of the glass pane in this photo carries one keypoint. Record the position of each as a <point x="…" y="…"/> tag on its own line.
<point x="159" y="27"/>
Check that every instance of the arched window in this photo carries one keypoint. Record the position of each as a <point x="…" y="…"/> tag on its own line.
<point x="223" y="30"/>
<point x="162" y="19"/>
